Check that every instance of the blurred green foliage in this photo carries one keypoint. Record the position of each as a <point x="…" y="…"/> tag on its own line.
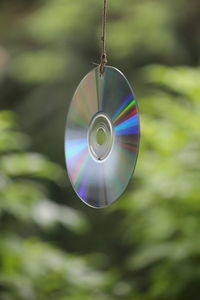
<point x="146" y="246"/>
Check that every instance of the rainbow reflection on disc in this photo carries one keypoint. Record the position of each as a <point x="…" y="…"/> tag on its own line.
<point x="102" y="137"/>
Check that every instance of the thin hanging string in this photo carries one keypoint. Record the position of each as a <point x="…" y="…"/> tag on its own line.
<point x="103" y="61"/>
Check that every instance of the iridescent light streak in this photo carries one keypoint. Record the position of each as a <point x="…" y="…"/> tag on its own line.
<point x="77" y="119"/>
<point x="133" y="112"/>
<point x="129" y="126"/>
<point x="125" y="106"/>
<point x="81" y="164"/>
<point x="83" y="189"/>
<point x="129" y="147"/>
<point x="74" y="147"/>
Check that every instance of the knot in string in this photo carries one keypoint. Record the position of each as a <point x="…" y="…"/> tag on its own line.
<point x="103" y="62"/>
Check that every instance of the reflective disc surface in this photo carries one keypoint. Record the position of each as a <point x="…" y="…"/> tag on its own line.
<point x="102" y="137"/>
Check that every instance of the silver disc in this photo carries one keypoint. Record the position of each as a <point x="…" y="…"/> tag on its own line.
<point x="102" y="137"/>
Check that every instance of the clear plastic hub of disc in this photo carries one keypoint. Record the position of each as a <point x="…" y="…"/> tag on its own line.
<point x="100" y="136"/>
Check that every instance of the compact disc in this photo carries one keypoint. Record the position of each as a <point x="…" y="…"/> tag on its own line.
<point x="102" y="137"/>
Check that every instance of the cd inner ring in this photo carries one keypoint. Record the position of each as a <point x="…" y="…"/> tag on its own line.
<point x="100" y="136"/>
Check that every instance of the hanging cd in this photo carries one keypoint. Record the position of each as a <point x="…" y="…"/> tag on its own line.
<point x="102" y="137"/>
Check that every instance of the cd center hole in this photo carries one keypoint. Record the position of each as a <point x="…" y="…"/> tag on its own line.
<point x="101" y="137"/>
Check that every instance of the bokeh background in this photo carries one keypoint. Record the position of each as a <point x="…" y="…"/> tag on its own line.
<point x="147" y="245"/>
